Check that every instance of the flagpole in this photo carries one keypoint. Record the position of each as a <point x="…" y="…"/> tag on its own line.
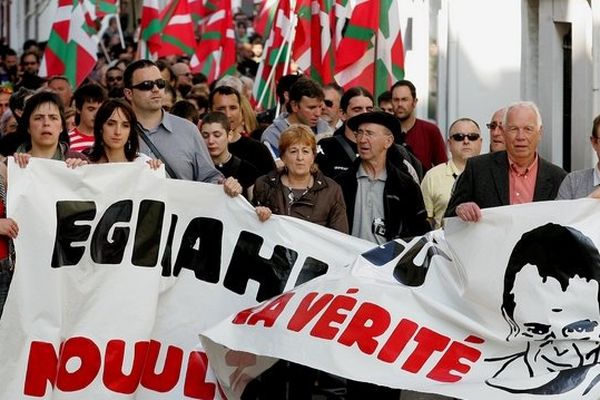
<point x="120" y="32"/>
<point x="272" y="72"/>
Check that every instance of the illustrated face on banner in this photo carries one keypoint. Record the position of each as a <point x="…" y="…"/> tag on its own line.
<point x="552" y="306"/>
<point x="562" y="328"/>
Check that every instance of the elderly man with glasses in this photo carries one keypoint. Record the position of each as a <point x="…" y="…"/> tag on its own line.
<point x="517" y="175"/>
<point x="464" y="142"/>
<point x="495" y="127"/>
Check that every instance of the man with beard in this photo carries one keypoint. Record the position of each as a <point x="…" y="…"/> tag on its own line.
<point x="422" y="137"/>
<point x="30" y="64"/>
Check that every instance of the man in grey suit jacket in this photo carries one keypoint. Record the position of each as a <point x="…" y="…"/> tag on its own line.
<point x="582" y="183"/>
<point x="517" y="175"/>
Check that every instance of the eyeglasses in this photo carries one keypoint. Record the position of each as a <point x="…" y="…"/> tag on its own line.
<point x="493" y="125"/>
<point x="328" y="103"/>
<point x="368" y="134"/>
<point x="114" y="78"/>
<point x="149" y="85"/>
<point x="459" y="137"/>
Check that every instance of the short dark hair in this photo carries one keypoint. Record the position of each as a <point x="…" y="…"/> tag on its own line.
<point x="30" y="53"/>
<point x="185" y="109"/>
<point x="216" y="117"/>
<point x="223" y="91"/>
<point x="284" y="84"/>
<point x="17" y="100"/>
<point x="408" y="84"/>
<point x="385" y="97"/>
<point x="91" y="93"/>
<point x="39" y="98"/>
<point x="557" y="251"/>
<point x="305" y="87"/>
<point x="103" y="114"/>
<point x="113" y="68"/>
<point x="134" y="66"/>
<point x="595" y="126"/>
<point x="351" y="93"/>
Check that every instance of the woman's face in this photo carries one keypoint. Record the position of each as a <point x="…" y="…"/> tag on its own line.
<point x="45" y="125"/>
<point x="298" y="159"/>
<point x="115" y="131"/>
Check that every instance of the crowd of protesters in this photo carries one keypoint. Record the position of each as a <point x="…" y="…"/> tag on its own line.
<point x="338" y="158"/>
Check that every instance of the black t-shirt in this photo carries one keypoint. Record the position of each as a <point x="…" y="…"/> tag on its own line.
<point x="254" y="153"/>
<point x="244" y="172"/>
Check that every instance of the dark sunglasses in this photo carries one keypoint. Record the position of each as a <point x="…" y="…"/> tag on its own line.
<point x="459" y="137"/>
<point x="149" y="85"/>
<point x="328" y="103"/>
<point x="493" y="125"/>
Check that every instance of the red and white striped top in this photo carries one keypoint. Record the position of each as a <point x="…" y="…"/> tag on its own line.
<point x="79" y="141"/>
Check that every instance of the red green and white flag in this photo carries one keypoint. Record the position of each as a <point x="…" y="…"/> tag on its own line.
<point x="263" y="22"/>
<point x="275" y="57"/>
<point x="151" y="26"/>
<point x="313" y="48"/>
<point x="371" y="53"/>
<point x="71" y="50"/>
<point x="216" y="52"/>
<point x="106" y="7"/>
<point x="177" y="33"/>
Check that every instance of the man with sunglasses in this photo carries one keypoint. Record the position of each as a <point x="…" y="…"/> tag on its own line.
<point x="114" y="82"/>
<point x="495" y="127"/>
<point x="463" y="142"/>
<point x="176" y="140"/>
<point x="517" y="175"/>
<point x="331" y="105"/>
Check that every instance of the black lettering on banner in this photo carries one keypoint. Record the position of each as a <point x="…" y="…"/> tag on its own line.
<point x="310" y="270"/>
<point x="67" y="232"/>
<point x="147" y="233"/>
<point x="410" y="274"/>
<point x="271" y="274"/>
<point x="206" y="261"/>
<point x="385" y="253"/>
<point x="110" y="250"/>
<point x="166" y="259"/>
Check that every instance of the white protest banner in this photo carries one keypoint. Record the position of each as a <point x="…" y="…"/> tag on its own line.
<point x="506" y="308"/>
<point x="118" y="270"/>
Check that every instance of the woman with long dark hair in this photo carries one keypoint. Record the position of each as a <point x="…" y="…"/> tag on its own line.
<point x="115" y="139"/>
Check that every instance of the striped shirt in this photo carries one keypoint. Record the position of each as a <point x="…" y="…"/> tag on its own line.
<point x="79" y="141"/>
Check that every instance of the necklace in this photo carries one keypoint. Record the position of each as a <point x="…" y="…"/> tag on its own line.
<point x="220" y="165"/>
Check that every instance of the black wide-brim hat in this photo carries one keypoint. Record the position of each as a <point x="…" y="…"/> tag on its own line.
<point x="376" y="117"/>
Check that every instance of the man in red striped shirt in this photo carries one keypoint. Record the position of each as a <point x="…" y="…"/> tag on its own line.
<point x="88" y="98"/>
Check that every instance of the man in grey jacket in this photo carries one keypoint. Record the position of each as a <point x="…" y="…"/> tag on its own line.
<point x="578" y="184"/>
<point x="305" y="107"/>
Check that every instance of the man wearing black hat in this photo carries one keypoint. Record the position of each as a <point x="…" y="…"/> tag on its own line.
<point x="382" y="201"/>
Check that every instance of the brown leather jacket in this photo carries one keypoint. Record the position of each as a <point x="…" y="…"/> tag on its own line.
<point x="322" y="204"/>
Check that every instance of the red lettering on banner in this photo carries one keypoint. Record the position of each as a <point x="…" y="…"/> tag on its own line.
<point x="196" y="386"/>
<point x="306" y="310"/>
<point x="113" y="376"/>
<point x="41" y="369"/>
<point x="451" y="362"/>
<point x="428" y="342"/>
<point x="369" y="322"/>
<point x="90" y="360"/>
<point x="169" y="376"/>
<point x="323" y="328"/>
<point x="397" y="341"/>
<point x="269" y="314"/>
<point x="242" y="317"/>
<point x="45" y="367"/>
